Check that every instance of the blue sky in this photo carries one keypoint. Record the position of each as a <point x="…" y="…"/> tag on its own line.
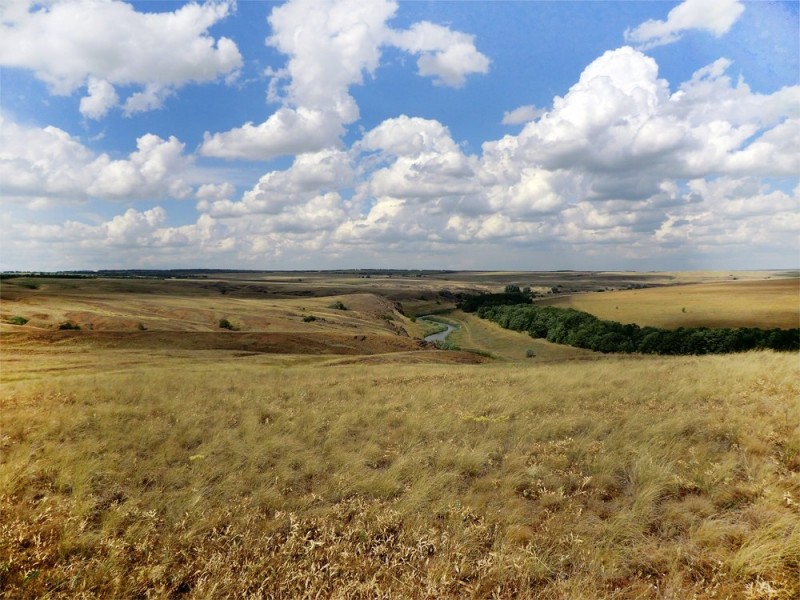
<point x="336" y="134"/>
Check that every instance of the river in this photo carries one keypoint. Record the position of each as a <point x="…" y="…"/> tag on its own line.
<point x="442" y="335"/>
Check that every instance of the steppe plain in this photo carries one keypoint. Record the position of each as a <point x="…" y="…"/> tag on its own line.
<point x="221" y="434"/>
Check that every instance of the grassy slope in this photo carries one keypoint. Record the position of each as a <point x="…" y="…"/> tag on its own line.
<point x="169" y="469"/>
<point x="477" y="333"/>
<point x="625" y="478"/>
<point x="766" y="303"/>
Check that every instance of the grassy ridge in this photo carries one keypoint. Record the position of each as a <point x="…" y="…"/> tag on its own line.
<point x="626" y="479"/>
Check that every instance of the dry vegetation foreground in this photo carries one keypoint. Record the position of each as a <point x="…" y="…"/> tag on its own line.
<point x="626" y="478"/>
<point x="153" y="453"/>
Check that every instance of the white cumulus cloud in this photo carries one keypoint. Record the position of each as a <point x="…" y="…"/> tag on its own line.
<point x="447" y="56"/>
<point x="714" y="16"/>
<point x="100" y="99"/>
<point x="72" y="43"/>
<point x="523" y="114"/>
<point x="331" y="45"/>
<point x="48" y="162"/>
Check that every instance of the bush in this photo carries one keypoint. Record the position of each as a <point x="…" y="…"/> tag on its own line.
<point x="530" y="353"/>
<point x="69" y="325"/>
<point x="17" y="320"/>
<point x="225" y="324"/>
<point x="338" y="305"/>
<point x="141" y="327"/>
<point x="445" y="345"/>
<point x="309" y="318"/>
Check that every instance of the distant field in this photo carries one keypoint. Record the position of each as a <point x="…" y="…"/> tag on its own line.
<point x="765" y="304"/>
<point x="153" y="453"/>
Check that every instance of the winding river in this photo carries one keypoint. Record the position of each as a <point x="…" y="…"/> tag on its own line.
<point x="442" y="335"/>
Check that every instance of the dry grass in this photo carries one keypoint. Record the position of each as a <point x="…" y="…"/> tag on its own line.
<point x="185" y="460"/>
<point x="662" y="478"/>
<point x="765" y="304"/>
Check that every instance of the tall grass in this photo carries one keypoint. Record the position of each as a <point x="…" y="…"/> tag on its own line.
<point x="662" y="478"/>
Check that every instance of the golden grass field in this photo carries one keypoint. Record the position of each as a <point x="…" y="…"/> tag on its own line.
<point x="294" y="459"/>
<point x="765" y="303"/>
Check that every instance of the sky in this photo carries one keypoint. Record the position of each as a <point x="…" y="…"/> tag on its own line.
<point x="326" y="134"/>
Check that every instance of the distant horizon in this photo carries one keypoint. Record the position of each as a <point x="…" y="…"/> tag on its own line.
<point x="318" y="134"/>
<point x="392" y="270"/>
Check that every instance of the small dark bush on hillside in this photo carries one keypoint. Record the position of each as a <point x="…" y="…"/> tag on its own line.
<point x="309" y="318"/>
<point x="338" y="305"/>
<point x="69" y="325"/>
<point x="225" y="324"/>
<point x="17" y="320"/>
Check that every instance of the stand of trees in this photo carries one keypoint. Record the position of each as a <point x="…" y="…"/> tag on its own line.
<point x="580" y="329"/>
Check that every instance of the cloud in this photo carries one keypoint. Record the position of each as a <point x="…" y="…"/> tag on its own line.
<point x="100" y="99"/>
<point x="48" y="162"/>
<point x="620" y="120"/>
<point x="150" y="98"/>
<point x="331" y="45"/>
<point x="136" y="238"/>
<point x="152" y="171"/>
<point x="211" y="192"/>
<point x="287" y="131"/>
<point x="73" y="43"/>
<point x="41" y="162"/>
<point x="409" y="136"/>
<point x="606" y="166"/>
<point x="714" y="16"/>
<point x="447" y="56"/>
<point x="523" y="114"/>
<point x="313" y="180"/>
<point x="733" y="212"/>
<point x="620" y="168"/>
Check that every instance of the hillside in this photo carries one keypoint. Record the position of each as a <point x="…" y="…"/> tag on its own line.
<point x="341" y="457"/>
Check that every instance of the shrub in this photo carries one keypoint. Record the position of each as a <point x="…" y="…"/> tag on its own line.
<point x="17" y="320"/>
<point x="338" y="305"/>
<point x="69" y="325"/>
<point x="225" y="324"/>
<point x="445" y="345"/>
<point x="141" y="327"/>
<point x="530" y="353"/>
<point x="309" y="318"/>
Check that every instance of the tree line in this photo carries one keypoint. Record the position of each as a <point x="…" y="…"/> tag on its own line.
<point x="580" y="329"/>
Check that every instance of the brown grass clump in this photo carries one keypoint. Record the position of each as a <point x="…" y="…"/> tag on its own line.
<point x="625" y="478"/>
